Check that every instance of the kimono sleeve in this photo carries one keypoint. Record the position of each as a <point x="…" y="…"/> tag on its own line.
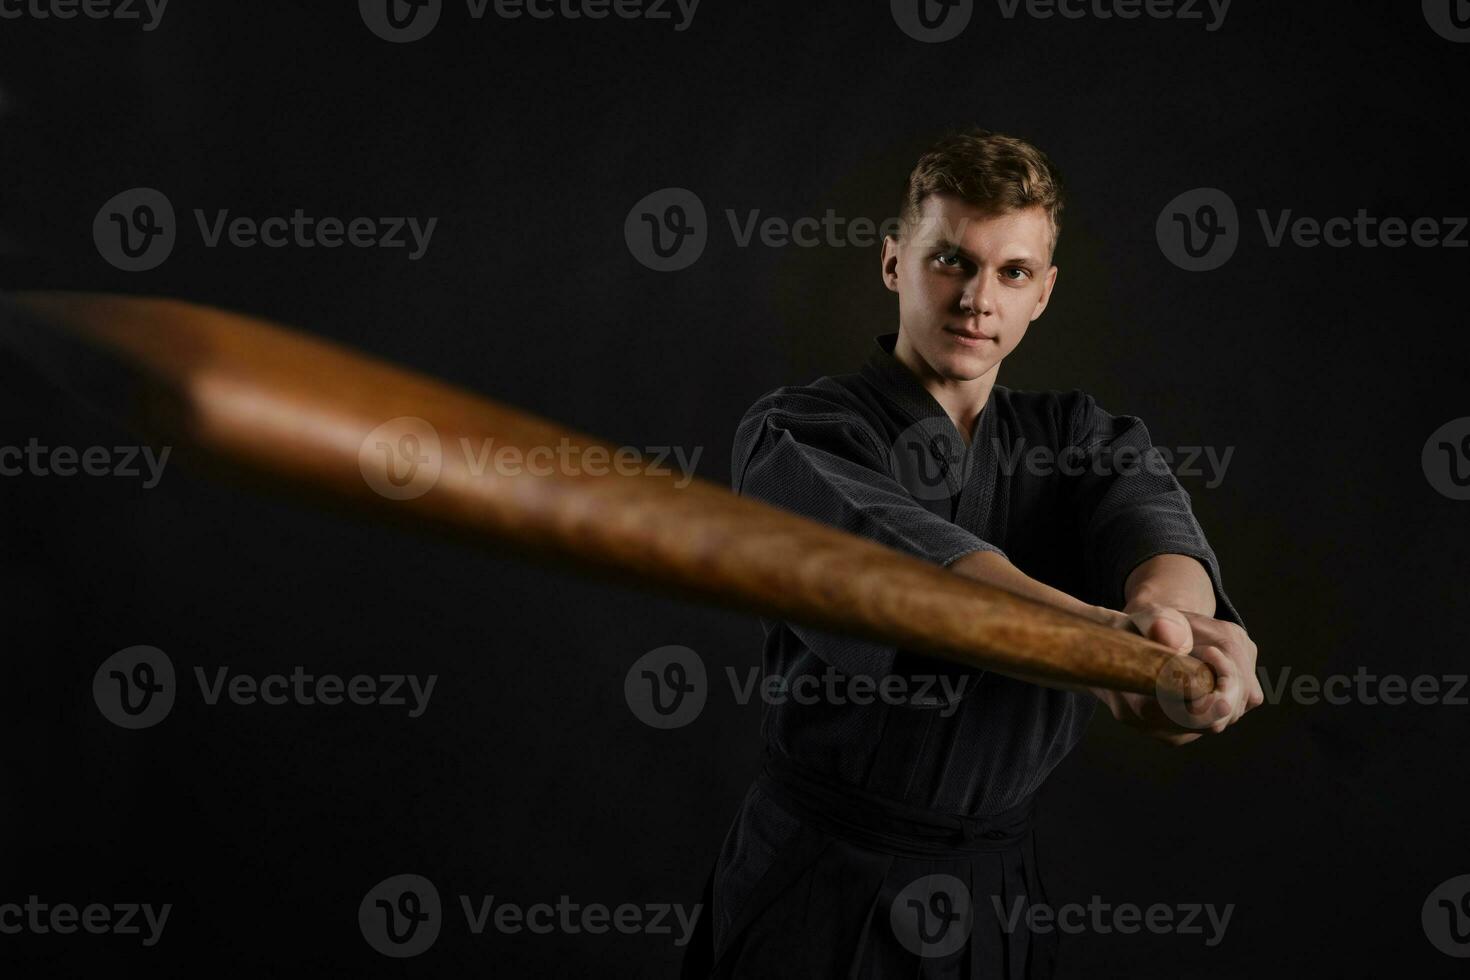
<point x="812" y="457"/>
<point x="1129" y="505"/>
<point x="823" y="461"/>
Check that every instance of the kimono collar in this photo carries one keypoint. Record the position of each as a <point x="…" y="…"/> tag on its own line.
<point x="899" y="386"/>
<point x="896" y="382"/>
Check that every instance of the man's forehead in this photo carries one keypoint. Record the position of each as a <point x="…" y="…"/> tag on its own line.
<point x="950" y="219"/>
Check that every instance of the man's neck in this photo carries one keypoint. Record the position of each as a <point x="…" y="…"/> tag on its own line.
<point x="961" y="400"/>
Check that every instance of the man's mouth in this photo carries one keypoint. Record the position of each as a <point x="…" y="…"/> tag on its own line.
<point x="968" y="338"/>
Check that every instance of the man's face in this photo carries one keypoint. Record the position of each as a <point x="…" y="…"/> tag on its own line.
<point x="969" y="283"/>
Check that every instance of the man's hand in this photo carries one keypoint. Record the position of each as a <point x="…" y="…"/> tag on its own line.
<point x="1174" y="579"/>
<point x="1222" y="645"/>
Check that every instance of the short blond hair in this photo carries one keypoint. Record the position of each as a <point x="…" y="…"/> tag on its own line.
<point x="997" y="173"/>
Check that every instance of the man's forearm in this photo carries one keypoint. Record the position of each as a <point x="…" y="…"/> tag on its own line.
<point x="1173" y="581"/>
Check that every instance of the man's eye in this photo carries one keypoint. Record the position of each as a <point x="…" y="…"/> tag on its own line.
<point x="947" y="257"/>
<point x="1016" y="268"/>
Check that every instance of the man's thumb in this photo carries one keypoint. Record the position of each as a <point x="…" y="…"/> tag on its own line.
<point x="1170" y="629"/>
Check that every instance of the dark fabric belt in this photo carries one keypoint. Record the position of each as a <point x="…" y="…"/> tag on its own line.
<point x="824" y="907"/>
<point x="884" y="824"/>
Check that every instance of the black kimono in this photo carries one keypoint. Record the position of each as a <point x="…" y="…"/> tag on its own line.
<point x="881" y="837"/>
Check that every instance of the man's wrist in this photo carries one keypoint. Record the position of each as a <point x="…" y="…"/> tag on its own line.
<point x="1143" y="601"/>
<point x="1170" y="582"/>
<point x="1112" y="618"/>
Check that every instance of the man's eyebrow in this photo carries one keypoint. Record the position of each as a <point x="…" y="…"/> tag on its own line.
<point x="1020" y="259"/>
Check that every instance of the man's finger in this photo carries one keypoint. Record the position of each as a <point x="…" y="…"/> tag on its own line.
<point x="1166" y="626"/>
<point x="1243" y="652"/>
<point x="1229" y="687"/>
<point x="1257" y="696"/>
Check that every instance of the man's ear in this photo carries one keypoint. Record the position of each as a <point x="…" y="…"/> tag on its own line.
<point x="889" y="262"/>
<point x="1046" y="288"/>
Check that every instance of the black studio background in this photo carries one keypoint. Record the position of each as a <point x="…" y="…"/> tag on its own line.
<point x="528" y="777"/>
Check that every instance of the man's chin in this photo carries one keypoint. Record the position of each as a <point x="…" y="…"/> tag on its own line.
<point x="963" y="366"/>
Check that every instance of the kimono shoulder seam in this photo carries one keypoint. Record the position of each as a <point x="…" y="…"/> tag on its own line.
<point x="856" y="421"/>
<point x="1081" y="402"/>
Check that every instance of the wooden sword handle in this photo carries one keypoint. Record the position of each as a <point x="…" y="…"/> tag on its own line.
<point x="299" y="412"/>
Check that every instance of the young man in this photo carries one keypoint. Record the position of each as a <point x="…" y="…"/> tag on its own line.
<point x="883" y="833"/>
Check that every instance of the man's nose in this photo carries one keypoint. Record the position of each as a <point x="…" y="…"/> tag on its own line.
<point x="977" y="299"/>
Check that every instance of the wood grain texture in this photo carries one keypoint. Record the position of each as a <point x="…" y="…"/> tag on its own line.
<point x="301" y="413"/>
